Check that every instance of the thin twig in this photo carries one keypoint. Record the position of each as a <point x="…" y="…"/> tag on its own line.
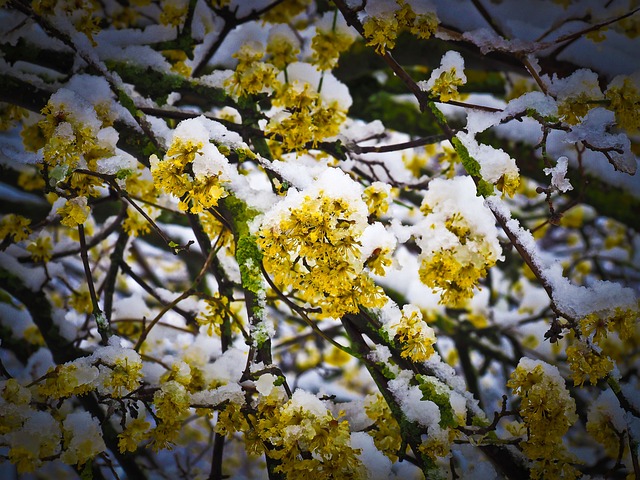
<point x="101" y="321"/>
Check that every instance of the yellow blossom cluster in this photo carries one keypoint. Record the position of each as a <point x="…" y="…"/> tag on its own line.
<point x="193" y="171"/>
<point x="313" y="248"/>
<point x="446" y="86"/>
<point x="305" y="117"/>
<point x="83" y="15"/>
<point x="70" y="128"/>
<point x="173" y="13"/>
<point x="444" y="81"/>
<point x="34" y="435"/>
<point x="135" y="432"/>
<point x="172" y="402"/>
<point x="606" y="424"/>
<point x="139" y="183"/>
<point x="548" y="411"/>
<point x="305" y="438"/>
<point x="112" y="372"/>
<point x="414" y="335"/>
<point x="285" y="12"/>
<point x="576" y="96"/>
<point x="586" y="362"/>
<point x="612" y="335"/>
<point x="74" y="212"/>
<point x="382" y="30"/>
<point x="217" y="311"/>
<point x="10" y="115"/>
<point x="41" y="249"/>
<point x="386" y="431"/>
<point x="282" y="47"/>
<point x="75" y="133"/>
<point x="122" y="377"/>
<point x="137" y="224"/>
<point x="438" y="444"/>
<point x="331" y="39"/>
<point x="178" y="60"/>
<point x="14" y="227"/>
<point x="377" y="196"/>
<point x="82" y="439"/>
<point x="251" y="75"/>
<point x="68" y="379"/>
<point x="456" y="270"/>
<point x="623" y="94"/>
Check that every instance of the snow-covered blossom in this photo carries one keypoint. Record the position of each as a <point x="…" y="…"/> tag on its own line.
<point x="458" y="239"/>
<point x="444" y="81"/>
<point x="310" y="243"/>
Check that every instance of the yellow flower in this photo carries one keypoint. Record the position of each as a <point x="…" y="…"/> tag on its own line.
<point x="424" y="25"/>
<point x="69" y="379"/>
<point x="306" y="438"/>
<point x="74" y="212"/>
<point x="177" y="175"/>
<point x="251" y="75"/>
<point x="282" y="51"/>
<point x="173" y="13"/>
<point x="136" y="224"/>
<point x="178" y="59"/>
<point x="329" y="42"/>
<point x="314" y="249"/>
<point x="377" y="197"/>
<point x="446" y="86"/>
<point x="624" y="95"/>
<point x="14" y="226"/>
<point x="284" y="12"/>
<point x="24" y="459"/>
<point x="81" y="300"/>
<point x="172" y="402"/>
<point x="41" y="249"/>
<point x="135" y="432"/>
<point x="124" y="377"/>
<point x="414" y="335"/>
<point x="586" y="362"/>
<point x="381" y="32"/>
<point x="455" y="267"/>
<point x="217" y="311"/>
<point x="548" y="411"/>
<point x="10" y="115"/>
<point x="386" y="433"/>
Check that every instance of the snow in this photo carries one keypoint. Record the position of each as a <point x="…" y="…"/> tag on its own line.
<point x="332" y="183"/>
<point x="380" y="8"/>
<point x="264" y="384"/>
<point x="32" y="277"/>
<point x="558" y="180"/>
<point x="479" y="120"/>
<point x="231" y="392"/>
<point x="494" y="162"/>
<point x="308" y="402"/>
<point x="377" y="465"/>
<point x="593" y="131"/>
<point x="229" y="367"/>
<point x="115" y="352"/>
<point x="409" y="397"/>
<point x="376" y="236"/>
<point x="594" y="164"/>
